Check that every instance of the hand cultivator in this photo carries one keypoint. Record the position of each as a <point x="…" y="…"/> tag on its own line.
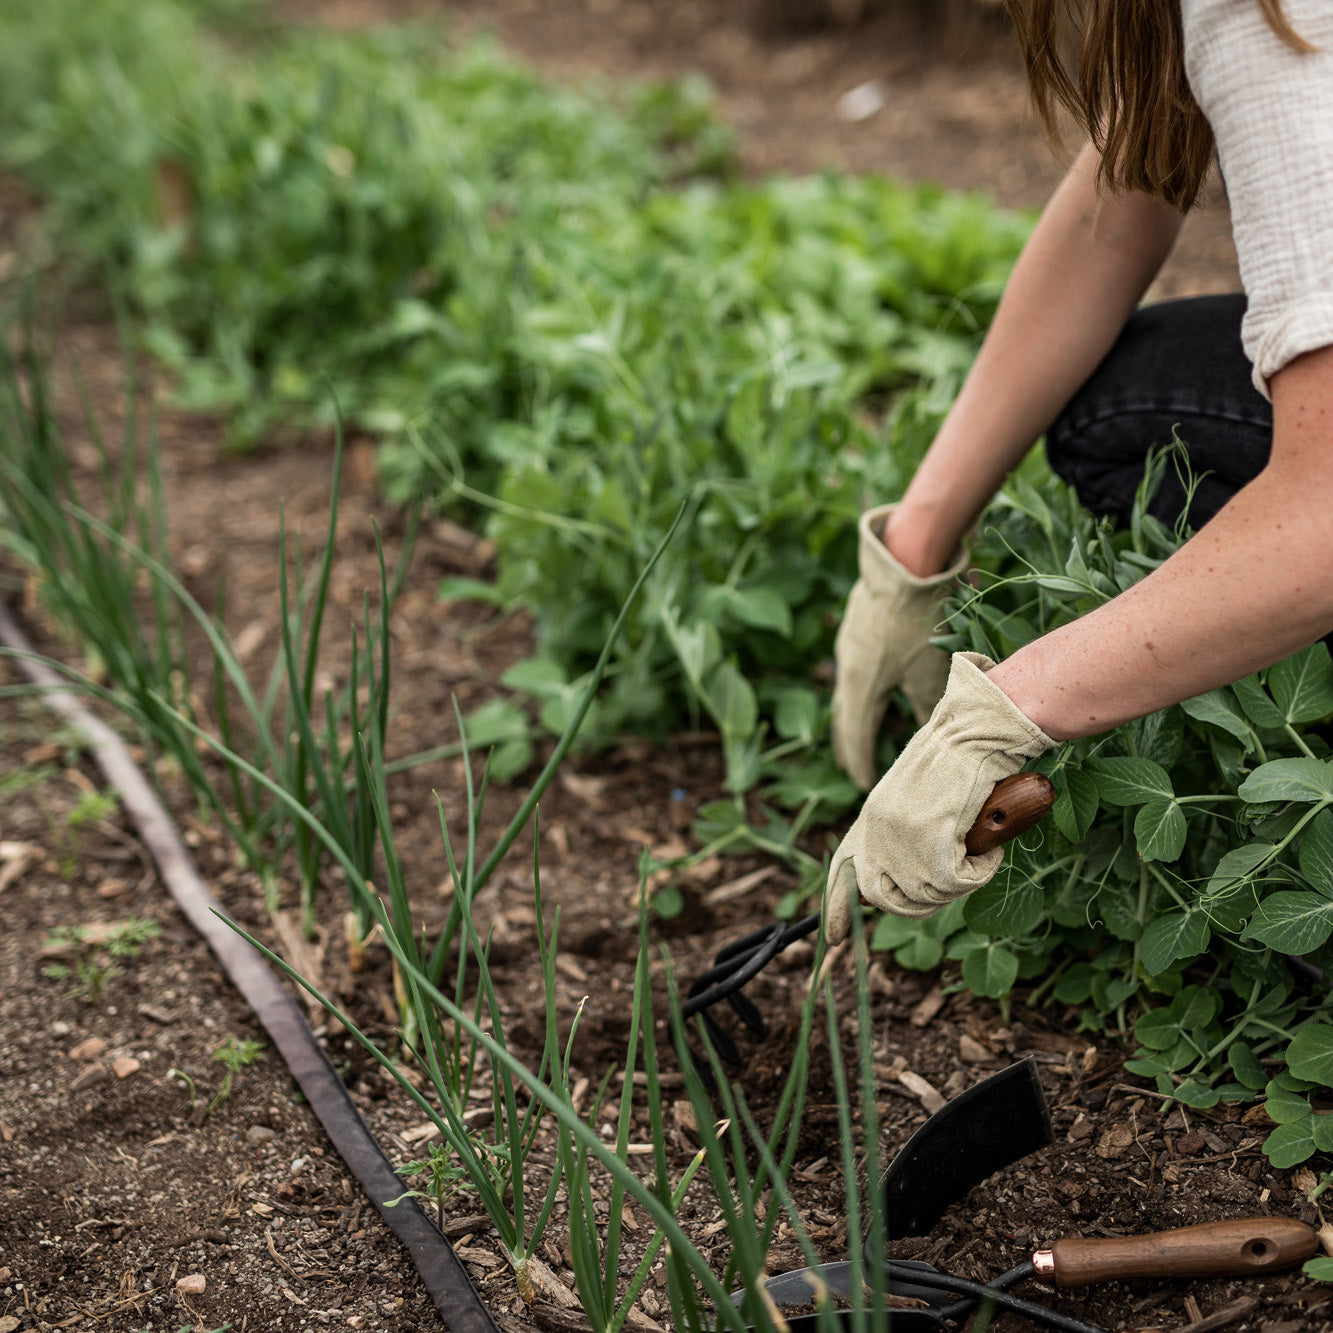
<point x="990" y="1126"/>
<point x="1016" y="805"/>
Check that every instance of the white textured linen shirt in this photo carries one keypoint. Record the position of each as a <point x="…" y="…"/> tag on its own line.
<point x="1271" y="110"/>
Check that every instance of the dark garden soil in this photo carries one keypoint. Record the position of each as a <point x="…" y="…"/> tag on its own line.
<point x="115" y="1187"/>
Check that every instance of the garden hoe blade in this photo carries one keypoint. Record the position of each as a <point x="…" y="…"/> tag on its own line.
<point x="991" y="1125"/>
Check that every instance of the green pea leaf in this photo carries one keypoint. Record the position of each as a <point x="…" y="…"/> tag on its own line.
<point x="1231" y="909"/>
<point x="1310" y="1054"/>
<point x="1316" y="854"/>
<point x="1295" y="922"/>
<point x="1176" y="935"/>
<point x="1158" y="1029"/>
<point x="699" y="647"/>
<point x="1302" y="686"/>
<point x="1218" y="708"/>
<point x="920" y="954"/>
<point x="1074" y="985"/>
<point x="1149" y="1066"/>
<point x="1323" y="1131"/>
<point x="1246" y="1066"/>
<point x="1004" y="908"/>
<point x="990" y="970"/>
<point x="1194" y="1093"/>
<point x="1319" y="1268"/>
<point x="760" y="608"/>
<point x="1130" y="781"/>
<point x="731" y="700"/>
<point x="1159" y="831"/>
<point x="797" y="714"/>
<point x="1076" y="802"/>
<point x="1196" y="1006"/>
<point x="1291" y="1144"/>
<point x="1238" y="867"/>
<point x="668" y="902"/>
<point x="1300" y="779"/>
<point x="1259" y="708"/>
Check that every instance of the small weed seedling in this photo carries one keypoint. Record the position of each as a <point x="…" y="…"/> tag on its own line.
<point x="90" y="808"/>
<point x="445" y="1175"/>
<point x="94" y="951"/>
<point x="234" y="1055"/>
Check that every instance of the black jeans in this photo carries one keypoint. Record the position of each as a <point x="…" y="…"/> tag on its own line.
<point x="1176" y="365"/>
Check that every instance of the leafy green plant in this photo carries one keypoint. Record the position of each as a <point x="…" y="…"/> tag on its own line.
<point x="752" y="1200"/>
<point x="501" y="1172"/>
<point x="444" y="1178"/>
<point x="552" y="316"/>
<point x="89" y="808"/>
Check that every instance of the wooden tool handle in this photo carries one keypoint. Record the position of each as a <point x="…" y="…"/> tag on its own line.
<point x="1016" y="804"/>
<point x="1246" y="1245"/>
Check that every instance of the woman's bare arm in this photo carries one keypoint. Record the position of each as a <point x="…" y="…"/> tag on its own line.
<point x="1250" y="588"/>
<point x="1080" y="276"/>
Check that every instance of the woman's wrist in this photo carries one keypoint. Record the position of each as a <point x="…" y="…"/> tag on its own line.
<point x="914" y="541"/>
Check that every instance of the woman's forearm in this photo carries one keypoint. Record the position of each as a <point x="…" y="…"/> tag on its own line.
<point x="1250" y="588"/>
<point x="1085" y="268"/>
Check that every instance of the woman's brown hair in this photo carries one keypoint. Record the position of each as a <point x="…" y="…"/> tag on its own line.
<point x="1118" y="66"/>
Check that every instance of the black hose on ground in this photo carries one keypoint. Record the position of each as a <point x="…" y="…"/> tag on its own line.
<point x="445" y="1279"/>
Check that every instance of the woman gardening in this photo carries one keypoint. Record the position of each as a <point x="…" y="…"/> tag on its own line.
<point x="1160" y="86"/>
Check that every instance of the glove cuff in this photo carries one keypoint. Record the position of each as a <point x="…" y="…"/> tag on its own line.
<point x="884" y="573"/>
<point x="973" y="701"/>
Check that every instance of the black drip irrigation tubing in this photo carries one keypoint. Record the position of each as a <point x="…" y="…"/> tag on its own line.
<point x="445" y="1279"/>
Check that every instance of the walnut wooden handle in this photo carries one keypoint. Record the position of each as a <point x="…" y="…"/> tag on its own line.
<point x="1213" y="1249"/>
<point x="1016" y="804"/>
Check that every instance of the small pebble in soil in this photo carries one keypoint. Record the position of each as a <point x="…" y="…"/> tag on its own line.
<point x="93" y="1074"/>
<point x="260" y="1134"/>
<point x="193" y="1284"/>
<point x="88" y="1049"/>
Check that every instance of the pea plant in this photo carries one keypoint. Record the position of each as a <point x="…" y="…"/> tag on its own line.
<point x="1181" y="892"/>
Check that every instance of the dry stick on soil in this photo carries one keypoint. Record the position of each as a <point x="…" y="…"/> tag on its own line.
<point x="1228" y="1314"/>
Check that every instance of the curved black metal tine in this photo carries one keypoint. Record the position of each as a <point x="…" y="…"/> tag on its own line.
<point x="747" y="942"/>
<point x="748" y="1012"/>
<point x="724" y="978"/>
<point x="996" y="1295"/>
<point x="733" y="958"/>
<point x="727" y="1050"/>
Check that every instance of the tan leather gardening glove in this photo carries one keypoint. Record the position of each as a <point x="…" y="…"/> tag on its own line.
<point x="884" y="644"/>
<point x="905" y="854"/>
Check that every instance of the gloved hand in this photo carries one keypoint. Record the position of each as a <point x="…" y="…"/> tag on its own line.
<point x="883" y="644"/>
<point x="905" y="854"/>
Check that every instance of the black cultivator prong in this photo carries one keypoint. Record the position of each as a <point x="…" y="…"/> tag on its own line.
<point x="737" y="964"/>
<point x="748" y="1012"/>
<point x="727" y="1050"/>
